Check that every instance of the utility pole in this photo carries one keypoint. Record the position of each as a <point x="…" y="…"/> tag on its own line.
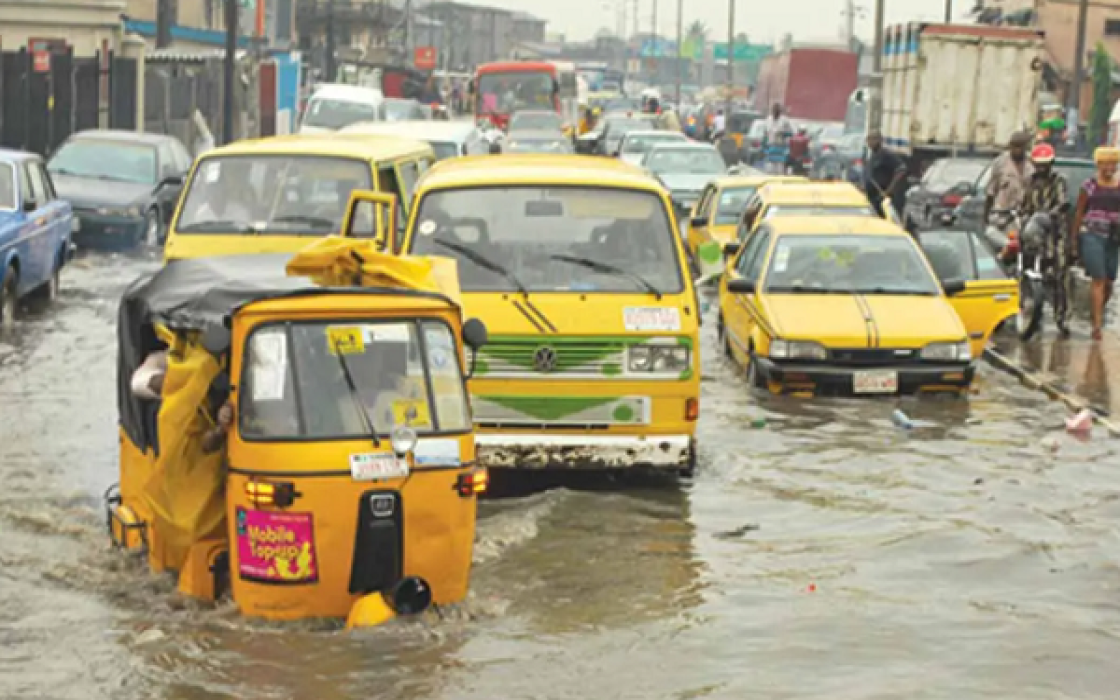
<point x="948" y="11"/>
<point x="655" y="41"/>
<point x="1073" y="95"/>
<point x="165" y="19"/>
<point x="228" y="101"/>
<point x="875" y="113"/>
<point x="680" y="50"/>
<point x="849" y="22"/>
<point x="730" y="58"/>
<point x="330" y="63"/>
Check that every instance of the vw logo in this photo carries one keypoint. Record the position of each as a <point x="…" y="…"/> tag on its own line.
<point x="544" y="359"/>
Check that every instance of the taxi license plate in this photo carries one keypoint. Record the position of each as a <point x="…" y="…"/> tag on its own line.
<point x="377" y="467"/>
<point x="875" y="382"/>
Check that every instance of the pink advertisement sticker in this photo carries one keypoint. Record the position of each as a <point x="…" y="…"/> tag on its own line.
<point x="276" y="547"/>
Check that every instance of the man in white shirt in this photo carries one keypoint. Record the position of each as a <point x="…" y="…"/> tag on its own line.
<point x="778" y="131"/>
<point x="719" y="124"/>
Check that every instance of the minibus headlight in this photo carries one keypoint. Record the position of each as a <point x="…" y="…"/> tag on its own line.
<point x="948" y="352"/>
<point x="658" y="358"/>
<point x="797" y="350"/>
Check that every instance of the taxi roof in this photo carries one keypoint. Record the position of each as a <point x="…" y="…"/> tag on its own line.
<point x="757" y="180"/>
<point x="419" y="130"/>
<point x="812" y="193"/>
<point x="834" y="225"/>
<point x="477" y="171"/>
<point x="362" y="146"/>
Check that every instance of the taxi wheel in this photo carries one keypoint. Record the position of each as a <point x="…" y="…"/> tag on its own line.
<point x="754" y="377"/>
<point x="8" y="300"/>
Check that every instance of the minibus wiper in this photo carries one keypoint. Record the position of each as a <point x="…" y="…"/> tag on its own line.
<point x="608" y="269"/>
<point x="484" y="262"/>
<point x="366" y="419"/>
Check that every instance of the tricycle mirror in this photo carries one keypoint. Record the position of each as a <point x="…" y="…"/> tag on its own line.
<point x="730" y="249"/>
<point x="740" y="286"/>
<point x="699" y="221"/>
<point x="475" y="334"/>
<point x="953" y="287"/>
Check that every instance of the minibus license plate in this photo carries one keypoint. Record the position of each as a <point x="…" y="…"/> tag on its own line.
<point x="875" y="382"/>
<point x="377" y="466"/>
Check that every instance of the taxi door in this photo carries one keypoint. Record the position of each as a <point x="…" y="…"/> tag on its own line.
<point x="741" y="311"/>
<point x="699" y="220"/>
<point x="372" y="215"/>
<point x="989" y="296"/>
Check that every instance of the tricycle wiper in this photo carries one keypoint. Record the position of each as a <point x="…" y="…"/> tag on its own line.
<point x="608" y="269"/>
<point x="484" y="262"/>
<point x="220" y="225"/>
<point x="370" y="428"/>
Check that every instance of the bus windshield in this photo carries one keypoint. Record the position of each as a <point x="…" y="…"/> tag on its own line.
<point x="503" y="93"/>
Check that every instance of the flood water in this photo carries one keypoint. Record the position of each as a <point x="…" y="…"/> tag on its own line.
<point x="825" y="555"/>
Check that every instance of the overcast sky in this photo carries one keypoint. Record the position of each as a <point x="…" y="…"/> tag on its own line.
<point x="807" y="20"/>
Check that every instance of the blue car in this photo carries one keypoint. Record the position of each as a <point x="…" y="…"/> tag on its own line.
<point x="34" y="233"/>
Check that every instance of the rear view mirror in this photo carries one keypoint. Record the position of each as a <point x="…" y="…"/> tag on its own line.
<point x="475" y="336"/>
<point x="544" y="207"/>
<point x="953" y="287"/>
<point x="740" y="286"/>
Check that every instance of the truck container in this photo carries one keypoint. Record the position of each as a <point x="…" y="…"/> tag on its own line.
<point x="812" y="84"/>
<point x="958" y="88"/>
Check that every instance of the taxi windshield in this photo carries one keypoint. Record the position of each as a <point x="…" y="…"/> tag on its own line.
<point x="336" y="114"/>
<point x="732" y="202"/>
<point x="641" y="143"/>
<point x="503" y="93"/>
<point x="405" y="373"/>
<point x="685" y="160"/>
<point x="551" y="239"/>
<point x="284" y="195"/>
<point x="848" y="264"/>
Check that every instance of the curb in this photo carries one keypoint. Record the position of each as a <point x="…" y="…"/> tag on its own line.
<point x="1033" y="381"/>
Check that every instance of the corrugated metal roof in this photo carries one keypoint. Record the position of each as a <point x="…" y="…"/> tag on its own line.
<point x="174" y="54"/>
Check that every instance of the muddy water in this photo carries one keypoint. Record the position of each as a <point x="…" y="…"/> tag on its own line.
<point x="827" y="555"/>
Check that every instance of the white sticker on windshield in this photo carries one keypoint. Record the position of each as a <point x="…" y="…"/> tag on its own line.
<point x="269" y="366"/>
<point x="651" y="318"/>
<point x="387" y="333"/>
<point x="211" y="171"/>
<point x="427" y="228"/>
<point x="781" y="258"/>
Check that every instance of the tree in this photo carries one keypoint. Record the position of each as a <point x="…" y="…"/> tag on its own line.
<point x="697" y="31"/>
<point x="1102" y="96"/>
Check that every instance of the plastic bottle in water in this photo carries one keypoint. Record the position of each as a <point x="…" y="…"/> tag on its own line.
<point x="901" y="420"/>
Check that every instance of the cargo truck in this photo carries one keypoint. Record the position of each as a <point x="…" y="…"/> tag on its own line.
<point x="812" y="84"/>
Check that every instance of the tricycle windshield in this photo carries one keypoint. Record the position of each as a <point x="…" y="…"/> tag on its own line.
<point x="296" y="380"/>
<point x="288" y="195"/>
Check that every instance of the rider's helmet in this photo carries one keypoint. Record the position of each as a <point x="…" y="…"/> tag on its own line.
<point x="1042" y="154"/>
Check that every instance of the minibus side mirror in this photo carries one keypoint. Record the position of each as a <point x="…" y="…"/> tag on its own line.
<point x="730" y="249"/>
<point x="474" y="336"/>
<point x="741" y="286"/>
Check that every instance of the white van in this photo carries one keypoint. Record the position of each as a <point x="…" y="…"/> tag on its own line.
<point x="332" y="107"/>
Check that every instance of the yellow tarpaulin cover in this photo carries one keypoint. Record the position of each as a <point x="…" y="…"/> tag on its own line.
<point x="338" y="262"/>
<point x="186" y="491"/>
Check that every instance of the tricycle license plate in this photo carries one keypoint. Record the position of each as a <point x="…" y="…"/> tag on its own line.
<point x="377" y="466"/>
<point x="875" y="382"/>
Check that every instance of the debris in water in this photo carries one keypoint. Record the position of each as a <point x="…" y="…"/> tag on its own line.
<point x="812" y="588"/>
<point x="149" y="636"/>
<point x="1049" y="442"/>
<point x="1081" y="423"/>
<point x="737" y="532"/>
<point x="901" y="420"/>
<point x="758" y="422"/>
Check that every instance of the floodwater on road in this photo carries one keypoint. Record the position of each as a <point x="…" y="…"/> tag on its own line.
<point x="825" y="555"/>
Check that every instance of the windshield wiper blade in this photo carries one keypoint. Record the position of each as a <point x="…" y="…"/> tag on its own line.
<point x="484" y="262"/>
<point x="303" y="219"/>
<point x="219" y="225"/>
<point x="895" y="292"/>
<point x="353" y="386"/>
<point x="802" y="289"/>
<point x="609" y="269"/>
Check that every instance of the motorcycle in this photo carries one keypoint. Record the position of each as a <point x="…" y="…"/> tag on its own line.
<point x="1025" y="241"/>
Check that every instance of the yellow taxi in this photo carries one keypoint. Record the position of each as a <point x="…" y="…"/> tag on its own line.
<point x="576" y="266"/>
<point x="828" y="199"/>
<point x="278" y="194"/>
<point x="852" y="305"/>
<point x="721" y="205"/>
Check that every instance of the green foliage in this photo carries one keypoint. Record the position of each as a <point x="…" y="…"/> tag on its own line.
<point x="1101" y="106"/>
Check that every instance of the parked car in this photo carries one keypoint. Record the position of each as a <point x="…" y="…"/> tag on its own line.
<point x="941" y="189"/>
<point x="616" y="126"/>
<point x="684" y="169"/>
<point x="448" y="139"/>
<point x="34" y="232"/>
<point x="536" y="120"/>
<point x="844" y="161"/>
<point x="635" y="144"/>
<point x="332" y="107"/>
<point x="397" y="109"/>
<point x="826" y="140"/>
<point x="537" y="142"/>
<point x="123" y="185"/>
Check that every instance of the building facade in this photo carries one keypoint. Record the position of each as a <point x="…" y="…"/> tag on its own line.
<point x="473" y="34"/>
<point x="85" y="25"/>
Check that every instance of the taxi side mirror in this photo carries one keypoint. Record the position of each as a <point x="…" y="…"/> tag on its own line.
<point x="740" y="286"/>
<point x="953" y="287"/>
<point x="372" y="216"/>
<point x="698" y="221"/>
<point x="730" y="249"/>
<point x="475" y="336"/>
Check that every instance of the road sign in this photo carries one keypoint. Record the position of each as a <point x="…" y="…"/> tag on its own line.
<point x="41" y="62"/>
<point x="425" y="57"/>
<point x="750" y="53"/>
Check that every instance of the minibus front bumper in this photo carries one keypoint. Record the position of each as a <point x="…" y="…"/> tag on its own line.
<point x="535" y="451"/>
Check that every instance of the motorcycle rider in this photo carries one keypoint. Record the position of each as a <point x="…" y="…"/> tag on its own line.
<point x="1048" y="192"/>
<point x="798" y="157"/>
<point x="1011" y="176"/>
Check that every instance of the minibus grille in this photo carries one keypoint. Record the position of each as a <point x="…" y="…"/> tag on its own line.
<point x="536" y="359"/>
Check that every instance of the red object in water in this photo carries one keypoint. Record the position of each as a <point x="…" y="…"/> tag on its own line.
<point x="812" y="588"/>
<point x="951" y="200"/>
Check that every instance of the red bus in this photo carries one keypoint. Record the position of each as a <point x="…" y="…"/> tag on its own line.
<point x="505" y="87"/>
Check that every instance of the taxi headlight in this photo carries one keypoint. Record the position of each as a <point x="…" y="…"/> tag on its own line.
<point x="658" y="358"/>
<point x="948" y="352"/>
<point x="797" y="350"/>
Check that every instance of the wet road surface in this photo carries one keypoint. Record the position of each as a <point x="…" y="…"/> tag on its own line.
<point x="826" y="555"/>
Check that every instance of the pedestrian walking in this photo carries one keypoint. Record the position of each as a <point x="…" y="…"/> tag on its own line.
<point x="1048" y="193"/>
<point x="1097" y="225"/>
<point x="1011" y="177"/>
<point x="778" y="132"/>
<point x="883" y="176"/>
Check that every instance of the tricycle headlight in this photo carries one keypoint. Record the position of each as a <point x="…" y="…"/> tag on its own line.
<point x="403" y="440"/>
<point x="797" y="350"/>
<point x="658" y="358"/>
<point x="948" y="352"/>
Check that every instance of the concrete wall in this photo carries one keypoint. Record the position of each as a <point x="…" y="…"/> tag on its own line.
<point x="84" y="24"/>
